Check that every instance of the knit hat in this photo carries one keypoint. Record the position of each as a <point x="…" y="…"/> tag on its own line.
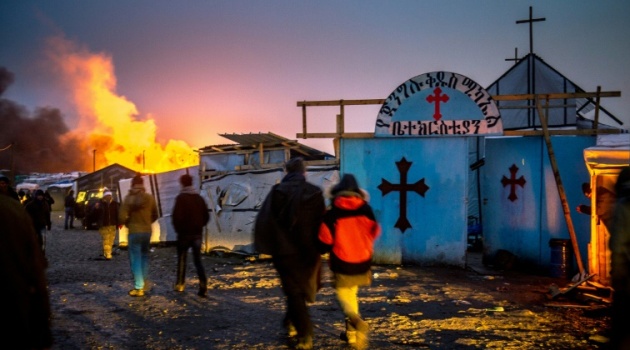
<point x="295" y="165"/>
<point x="137" y="180"/>
<point x="186" y="180"/>
<point x="107" y="193"/>
<point x="39" y="193"/>
<point x="348" y="183"/>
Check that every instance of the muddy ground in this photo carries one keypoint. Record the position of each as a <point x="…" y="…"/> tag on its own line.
<point x="407" y="307"/>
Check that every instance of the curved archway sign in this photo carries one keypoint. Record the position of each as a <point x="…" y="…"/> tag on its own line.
<point x="439" y="104"/>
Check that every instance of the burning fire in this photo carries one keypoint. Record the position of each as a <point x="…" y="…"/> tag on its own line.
<point x="115" y="131"/>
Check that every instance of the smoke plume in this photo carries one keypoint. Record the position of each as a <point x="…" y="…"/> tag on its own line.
<point x="38" y="141"/>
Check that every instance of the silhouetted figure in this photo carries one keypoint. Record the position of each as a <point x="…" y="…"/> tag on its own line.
<point x="619" y="244"/>
<point x="138" y="212"/>
<point x="26" y="312"/>
<point x="69" y="205"/>
<point x="106" y="213"/>
<point x="286" y="228"/>
<point x="39" y="210"/>
<point x="190" y="216"/>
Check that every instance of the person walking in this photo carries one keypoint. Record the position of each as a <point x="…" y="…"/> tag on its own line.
<point x="619" y="245"/>
<point x="26" y="313"/>
<point x="50" y="200"/>
<point x="286" y="228"/>
<point x="39" y="210"/>
<point x="190" y="216"/>
<point x="6" y="189"/>
<point x="138" y="211"/>
<point x="604" y="204"/>
<point x="106" y="212"/>
<point x="69" y="206"/>
<point x="348" y="231"/>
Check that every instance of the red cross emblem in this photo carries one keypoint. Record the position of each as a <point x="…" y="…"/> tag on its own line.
<point x="437" y="98"/>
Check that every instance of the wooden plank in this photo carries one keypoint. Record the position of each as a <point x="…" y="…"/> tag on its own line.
<point x="515" y="97"/>
<point x="556" y="96"/>
<point x="563" y="197"/>
<point x="562" y="132"/>
<point x="332" y="135"/>
<point x="378" y="101"/>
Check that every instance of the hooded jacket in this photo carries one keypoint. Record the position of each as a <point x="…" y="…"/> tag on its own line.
<point x="348" y="231"/>
<point x="138" y="210"/>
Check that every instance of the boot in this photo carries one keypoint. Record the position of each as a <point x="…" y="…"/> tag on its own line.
<point x="362" y="332"/>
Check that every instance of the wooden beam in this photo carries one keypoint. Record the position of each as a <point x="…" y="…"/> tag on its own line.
<point x="332" y="135"/>
<point x="562" y="132"/>
<point x="515" y="97"/>
<point x="596" y="119"/>
<point x="378" y="101"/>
<point x="555" y="96"/>
<point x="330" y="162"/>
<point x="561" y="193"/>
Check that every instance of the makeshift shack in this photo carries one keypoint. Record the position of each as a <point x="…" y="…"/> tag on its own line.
<point x="237" y="178"/>
<point x="234" y="181"/>
<point x="604" y="162"/>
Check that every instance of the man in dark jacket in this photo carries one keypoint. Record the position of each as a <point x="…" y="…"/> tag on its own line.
<point x="190" y="216"/>
<point x="106" y="212"/>
<point x="39" y="210"/>
<point x="69" y="205"/>
<point x="286" y="228"/>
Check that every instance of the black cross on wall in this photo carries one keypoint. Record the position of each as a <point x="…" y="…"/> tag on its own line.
<point x="513" y="181"/>
<point x="419" y="187"/>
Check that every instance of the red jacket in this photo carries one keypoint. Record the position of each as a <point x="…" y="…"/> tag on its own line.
<point x="348" y="232"/>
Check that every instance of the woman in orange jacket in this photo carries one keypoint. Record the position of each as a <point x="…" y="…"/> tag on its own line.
<point x="348" y="232"/>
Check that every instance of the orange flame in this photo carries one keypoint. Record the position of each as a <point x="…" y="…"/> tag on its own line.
<point x="111" y="122"/>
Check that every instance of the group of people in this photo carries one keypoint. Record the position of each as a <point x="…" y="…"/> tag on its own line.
<point x="190" y="215"/>
<point x="296" y="228"/>
<point x="138" y="211"/>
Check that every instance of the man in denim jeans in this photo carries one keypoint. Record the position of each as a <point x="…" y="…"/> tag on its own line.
<point x="138" y="212"/>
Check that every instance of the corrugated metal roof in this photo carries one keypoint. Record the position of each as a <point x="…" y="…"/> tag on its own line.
<point x="256" y="139"/>
<point x="268" y="140"/>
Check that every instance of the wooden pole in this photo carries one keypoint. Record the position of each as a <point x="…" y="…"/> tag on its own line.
<point x="561" y="192"/>
<point x="596" y="119"/>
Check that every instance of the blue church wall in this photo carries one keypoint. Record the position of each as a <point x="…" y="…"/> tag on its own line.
<point x="437" y="219"/>
<point x="521" y="207"/>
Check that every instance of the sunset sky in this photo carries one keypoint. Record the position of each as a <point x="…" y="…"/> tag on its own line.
<point x="200" y="68"/>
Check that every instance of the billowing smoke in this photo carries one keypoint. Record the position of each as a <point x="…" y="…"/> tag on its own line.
<point x="39" y="141"/>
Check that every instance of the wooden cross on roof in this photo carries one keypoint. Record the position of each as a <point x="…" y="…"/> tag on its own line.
<point x="531" y="31"/>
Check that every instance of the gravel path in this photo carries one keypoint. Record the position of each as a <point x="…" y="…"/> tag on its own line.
<point x="407" y="307"/>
